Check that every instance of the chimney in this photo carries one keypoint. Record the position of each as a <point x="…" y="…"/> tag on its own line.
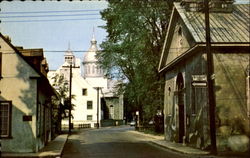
<point x="8" y="38"/>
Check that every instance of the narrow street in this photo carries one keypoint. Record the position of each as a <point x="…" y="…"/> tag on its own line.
<point x="115" y="142"/>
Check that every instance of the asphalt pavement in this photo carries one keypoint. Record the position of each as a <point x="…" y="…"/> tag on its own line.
<point x="116" y="142"/>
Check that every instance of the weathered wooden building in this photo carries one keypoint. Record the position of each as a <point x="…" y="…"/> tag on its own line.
<point x="184" y="65"/>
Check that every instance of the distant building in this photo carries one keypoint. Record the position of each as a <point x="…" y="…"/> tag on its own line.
<point x="183" y="64"/>
<point x="86" y="95"/>
<point x="25" y="99"/>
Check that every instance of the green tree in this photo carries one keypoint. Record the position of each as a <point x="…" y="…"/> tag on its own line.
<point x="132" y="49"/>
<point x="62" y="87"/>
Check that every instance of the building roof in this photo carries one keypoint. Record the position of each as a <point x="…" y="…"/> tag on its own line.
<point x="42" y="76"/>
<point x="225" y="27"/>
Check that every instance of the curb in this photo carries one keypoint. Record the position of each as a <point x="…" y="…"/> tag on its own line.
<point x="179" y="150"/>
<point x="148" y="135"/>
<point x="55" y="151"/>
<point x="160" y="141"/>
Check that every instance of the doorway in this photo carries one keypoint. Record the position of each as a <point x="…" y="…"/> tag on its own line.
<point x="180" y="102"/>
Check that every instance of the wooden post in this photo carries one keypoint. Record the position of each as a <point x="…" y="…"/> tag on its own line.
<point x="210" y="80"/>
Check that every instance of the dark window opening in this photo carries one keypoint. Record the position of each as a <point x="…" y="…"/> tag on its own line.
<point x="89" y="117"/>
<point x="89" y="105"/>
<point x="84" y="91"/>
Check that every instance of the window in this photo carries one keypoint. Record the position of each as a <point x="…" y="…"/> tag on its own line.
<point x="84" y="91"/>
<point x="89" y="117"/>
<point x="0" y="65"/>
<point x="5" y="118"/>
<point x="199" y="98"/>
<point x="111" y="115"/>
<point x="93" y="69"/>
<point x="89" y="105"/>
<point x="180" y="36"/>
<point x="88" y="69"/>
<point x="97" y="70"/>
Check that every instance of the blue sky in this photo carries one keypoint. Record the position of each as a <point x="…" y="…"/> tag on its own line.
<point x="54" y="35"/>
<point x="50" y="34"/>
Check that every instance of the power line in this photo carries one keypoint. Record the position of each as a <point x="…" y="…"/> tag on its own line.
<point x="54" y="11"/>
<point x="31" y="16"/>
<point x="53" y="20"/>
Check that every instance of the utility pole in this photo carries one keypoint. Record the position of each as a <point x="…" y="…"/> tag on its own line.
<point x="70" y="105"/>
<point x="97" y="106"/>
<point x="210" y="80"/>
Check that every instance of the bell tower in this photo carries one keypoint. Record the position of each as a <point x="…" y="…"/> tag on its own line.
<point x="69" y="57"/>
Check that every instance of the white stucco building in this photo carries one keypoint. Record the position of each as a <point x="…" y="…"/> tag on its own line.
<point x="93" y="93"/>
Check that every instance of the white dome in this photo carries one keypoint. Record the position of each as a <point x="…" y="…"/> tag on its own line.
<point x="90" y="55"/>
<point x="90" y="63"/>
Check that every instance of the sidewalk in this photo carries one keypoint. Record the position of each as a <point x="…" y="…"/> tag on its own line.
<point x="159" y="140"/>
<point x="52" y="150"/>
<point x="178" y="147"/>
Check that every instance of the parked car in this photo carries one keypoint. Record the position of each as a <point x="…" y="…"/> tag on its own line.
<point x="132" y="123"/>
<point x="151" y="122"/>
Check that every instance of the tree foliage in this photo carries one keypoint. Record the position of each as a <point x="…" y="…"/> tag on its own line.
<point x="62" y="87"/>
<point x="132" y="49"/>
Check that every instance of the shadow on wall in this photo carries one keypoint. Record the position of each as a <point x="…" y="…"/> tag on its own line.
<point x="22" y="93"/>
<point x="22" y="138"/>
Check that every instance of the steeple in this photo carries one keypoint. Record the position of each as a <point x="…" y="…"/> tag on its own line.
<point x="69" y="57"/>
<point x="69" y="46"/>
<point x="93" y="40"/>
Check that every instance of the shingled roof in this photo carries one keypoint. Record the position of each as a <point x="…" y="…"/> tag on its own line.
<point x="225" y="27"/>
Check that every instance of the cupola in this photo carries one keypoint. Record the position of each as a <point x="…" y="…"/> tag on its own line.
<point x="69" y="57"/>
<point x="91" y="67"/>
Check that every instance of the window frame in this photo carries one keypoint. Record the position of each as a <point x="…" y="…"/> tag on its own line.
<point x="89" y="116"/>
<point x="84" y="92"/>
<point x="112" y="112"/>
<point x="89" y="101"/>
<point x="9" y="132"/>
<point x="194" y="106"/>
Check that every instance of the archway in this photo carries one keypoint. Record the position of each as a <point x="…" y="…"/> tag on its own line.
<point x="180" y="102"/>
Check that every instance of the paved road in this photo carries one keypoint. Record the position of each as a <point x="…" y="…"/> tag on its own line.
<point x="116" y="142"/>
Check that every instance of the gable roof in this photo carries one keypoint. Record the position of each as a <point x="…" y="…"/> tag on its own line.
<point x="43" y="77"/>
<point x="225" y="27"/>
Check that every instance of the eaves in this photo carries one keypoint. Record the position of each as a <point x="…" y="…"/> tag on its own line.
<point x="197" y="48"/>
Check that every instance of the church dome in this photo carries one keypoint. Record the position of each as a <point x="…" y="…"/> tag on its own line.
<point x="91" y="68"/>
<point x="90" y="55"/>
